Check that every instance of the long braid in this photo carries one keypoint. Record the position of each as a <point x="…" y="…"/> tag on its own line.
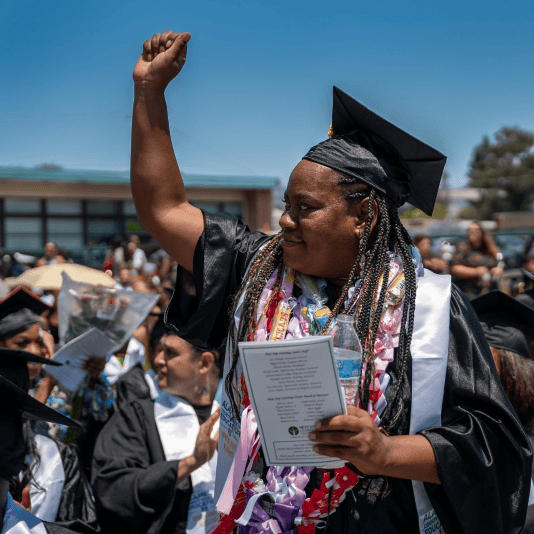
<point x="361" y="253"/>
<point x="261" y="269"/>
<point x="367" y="303"/>
<point x="403" y="242"/>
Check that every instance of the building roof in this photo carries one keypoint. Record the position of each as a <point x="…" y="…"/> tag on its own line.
<point x="123" y="177"/>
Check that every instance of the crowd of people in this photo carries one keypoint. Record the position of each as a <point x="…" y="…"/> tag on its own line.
<point x="475" y="264"/>
<point x="439" y="439"/>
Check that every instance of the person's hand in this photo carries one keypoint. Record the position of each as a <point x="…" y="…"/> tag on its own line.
<point x="94" y="366"/>
<point x="162" y="59"/>
<point x="355" y="438"/>
<point x="48" y="342"/>
<point x="206" y="446"/>
<point x="25" y="501"/>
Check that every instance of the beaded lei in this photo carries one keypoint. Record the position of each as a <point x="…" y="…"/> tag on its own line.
<point x="281" y="316"/>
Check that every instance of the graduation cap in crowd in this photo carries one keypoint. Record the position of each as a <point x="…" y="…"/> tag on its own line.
<point x="16" y="405"/>
<point x="371" y="149"/>
<point x="19" y="310"/>
<point x="527" y="297"/>
<point x="507" y="323"/>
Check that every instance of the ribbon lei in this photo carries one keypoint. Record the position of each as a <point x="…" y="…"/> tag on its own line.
<point x="289" y="511"/>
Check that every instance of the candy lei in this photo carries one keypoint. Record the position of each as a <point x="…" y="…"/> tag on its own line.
<point x="281" y="316"/>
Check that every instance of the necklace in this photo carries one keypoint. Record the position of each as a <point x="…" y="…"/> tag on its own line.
<point x="280" y="316"/>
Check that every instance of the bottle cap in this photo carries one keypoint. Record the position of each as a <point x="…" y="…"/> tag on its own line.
<point x="344" y="318"/>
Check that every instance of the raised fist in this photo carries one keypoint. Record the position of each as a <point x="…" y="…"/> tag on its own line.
<point x="162" y="59"/>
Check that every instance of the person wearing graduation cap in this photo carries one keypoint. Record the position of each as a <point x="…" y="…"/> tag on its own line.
<point x="154" y="461"/>
<point x="21" y="326"/>
<point x="59" y="491"/>
<point x="509" y="327"/>
<point x="431" y="437"/>
<point x="527" y="296"/>
<point x="17" y="405"/>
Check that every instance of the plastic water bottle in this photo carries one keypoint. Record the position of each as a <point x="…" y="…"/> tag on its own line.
<point x="348" y="354"/>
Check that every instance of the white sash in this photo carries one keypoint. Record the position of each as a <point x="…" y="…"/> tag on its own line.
<point x="429" y="350"/>
<point x="178" y="428"/>
<point x="114" y="369"/>
<point x="19" y="521"/>
<point x="50" y="475"/>
<point x="150" y="379"/>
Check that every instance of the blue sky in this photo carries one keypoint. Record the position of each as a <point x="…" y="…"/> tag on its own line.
<point x="255" y="93"/>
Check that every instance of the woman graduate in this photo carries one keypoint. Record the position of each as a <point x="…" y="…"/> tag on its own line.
<point x="59" y="490"/>
<point x="433" y="445"/>
<point x="16" y="405"/>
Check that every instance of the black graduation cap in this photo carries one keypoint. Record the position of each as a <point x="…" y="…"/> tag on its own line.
<point x="507" y="323"/>
<point x="16" y="405"/>
<point x="18" y="310"/>
<point x="25" y="356"/>
<point x="373" y="150"/>
<point x="14" y="384"/>
<point x="158" y="331"/>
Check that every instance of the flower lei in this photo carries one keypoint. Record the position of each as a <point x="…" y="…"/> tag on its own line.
<point x="291" y="510"/>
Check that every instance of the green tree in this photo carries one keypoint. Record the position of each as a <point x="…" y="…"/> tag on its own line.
<point x="504" y="172"/>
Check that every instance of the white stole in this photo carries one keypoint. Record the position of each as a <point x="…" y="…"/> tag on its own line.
<point x="429" y="350"/>
<point x="50" y="475"/>
<point x="17" y="520"/>
<point x="114" y="369"/>
<point x="150" y="379"/>
<point x="178" y="427"/>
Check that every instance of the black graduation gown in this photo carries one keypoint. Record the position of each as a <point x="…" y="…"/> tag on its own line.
<point x="134" y="485"/>
<point x="482" y="453"/>
<point x="130" y="386"/>
<point x="77" y="509"/>
<point x="54" y="528"/>
<point x="529" y="523"/>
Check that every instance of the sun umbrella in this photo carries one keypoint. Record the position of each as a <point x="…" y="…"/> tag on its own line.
<point x="49" y="276"/>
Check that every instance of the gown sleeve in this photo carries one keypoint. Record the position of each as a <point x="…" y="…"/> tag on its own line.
<point x="222" y="255"/>
<point x="483" y="454"/>
<point x="77" y="509"/>
<point x="135" y="488"/>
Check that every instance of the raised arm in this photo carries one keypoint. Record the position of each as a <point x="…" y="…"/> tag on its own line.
<point x="157" y="186"/>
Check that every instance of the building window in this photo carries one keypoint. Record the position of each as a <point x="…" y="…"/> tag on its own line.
<point x="132" y="226"/>
<point x="65" y="233"/>
<point x="21" y="206"/>
<point x="128" y="208"/>
<point x="100" y="230"/>
<point x="64" y="207"/>
<point x="102" y="207"/>
<point x="233" y="208"/>
<point x="23" y="234"/>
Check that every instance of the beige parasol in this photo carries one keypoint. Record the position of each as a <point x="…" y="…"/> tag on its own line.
<point x="49" y="276"/>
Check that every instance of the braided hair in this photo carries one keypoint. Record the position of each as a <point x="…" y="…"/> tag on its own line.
<point x="32" y="461"/>
<point x="371" y="266"/>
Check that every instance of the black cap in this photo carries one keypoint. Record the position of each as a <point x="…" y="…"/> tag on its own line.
<point x="372" y="150"/>
<point x="25" y="356"/>
<point x="507" y="323"/>
<point x="19" y="299"/>
<point x="19" y="310"/>
<point x="159" y="330"/>
<point x="16" y="405"/>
